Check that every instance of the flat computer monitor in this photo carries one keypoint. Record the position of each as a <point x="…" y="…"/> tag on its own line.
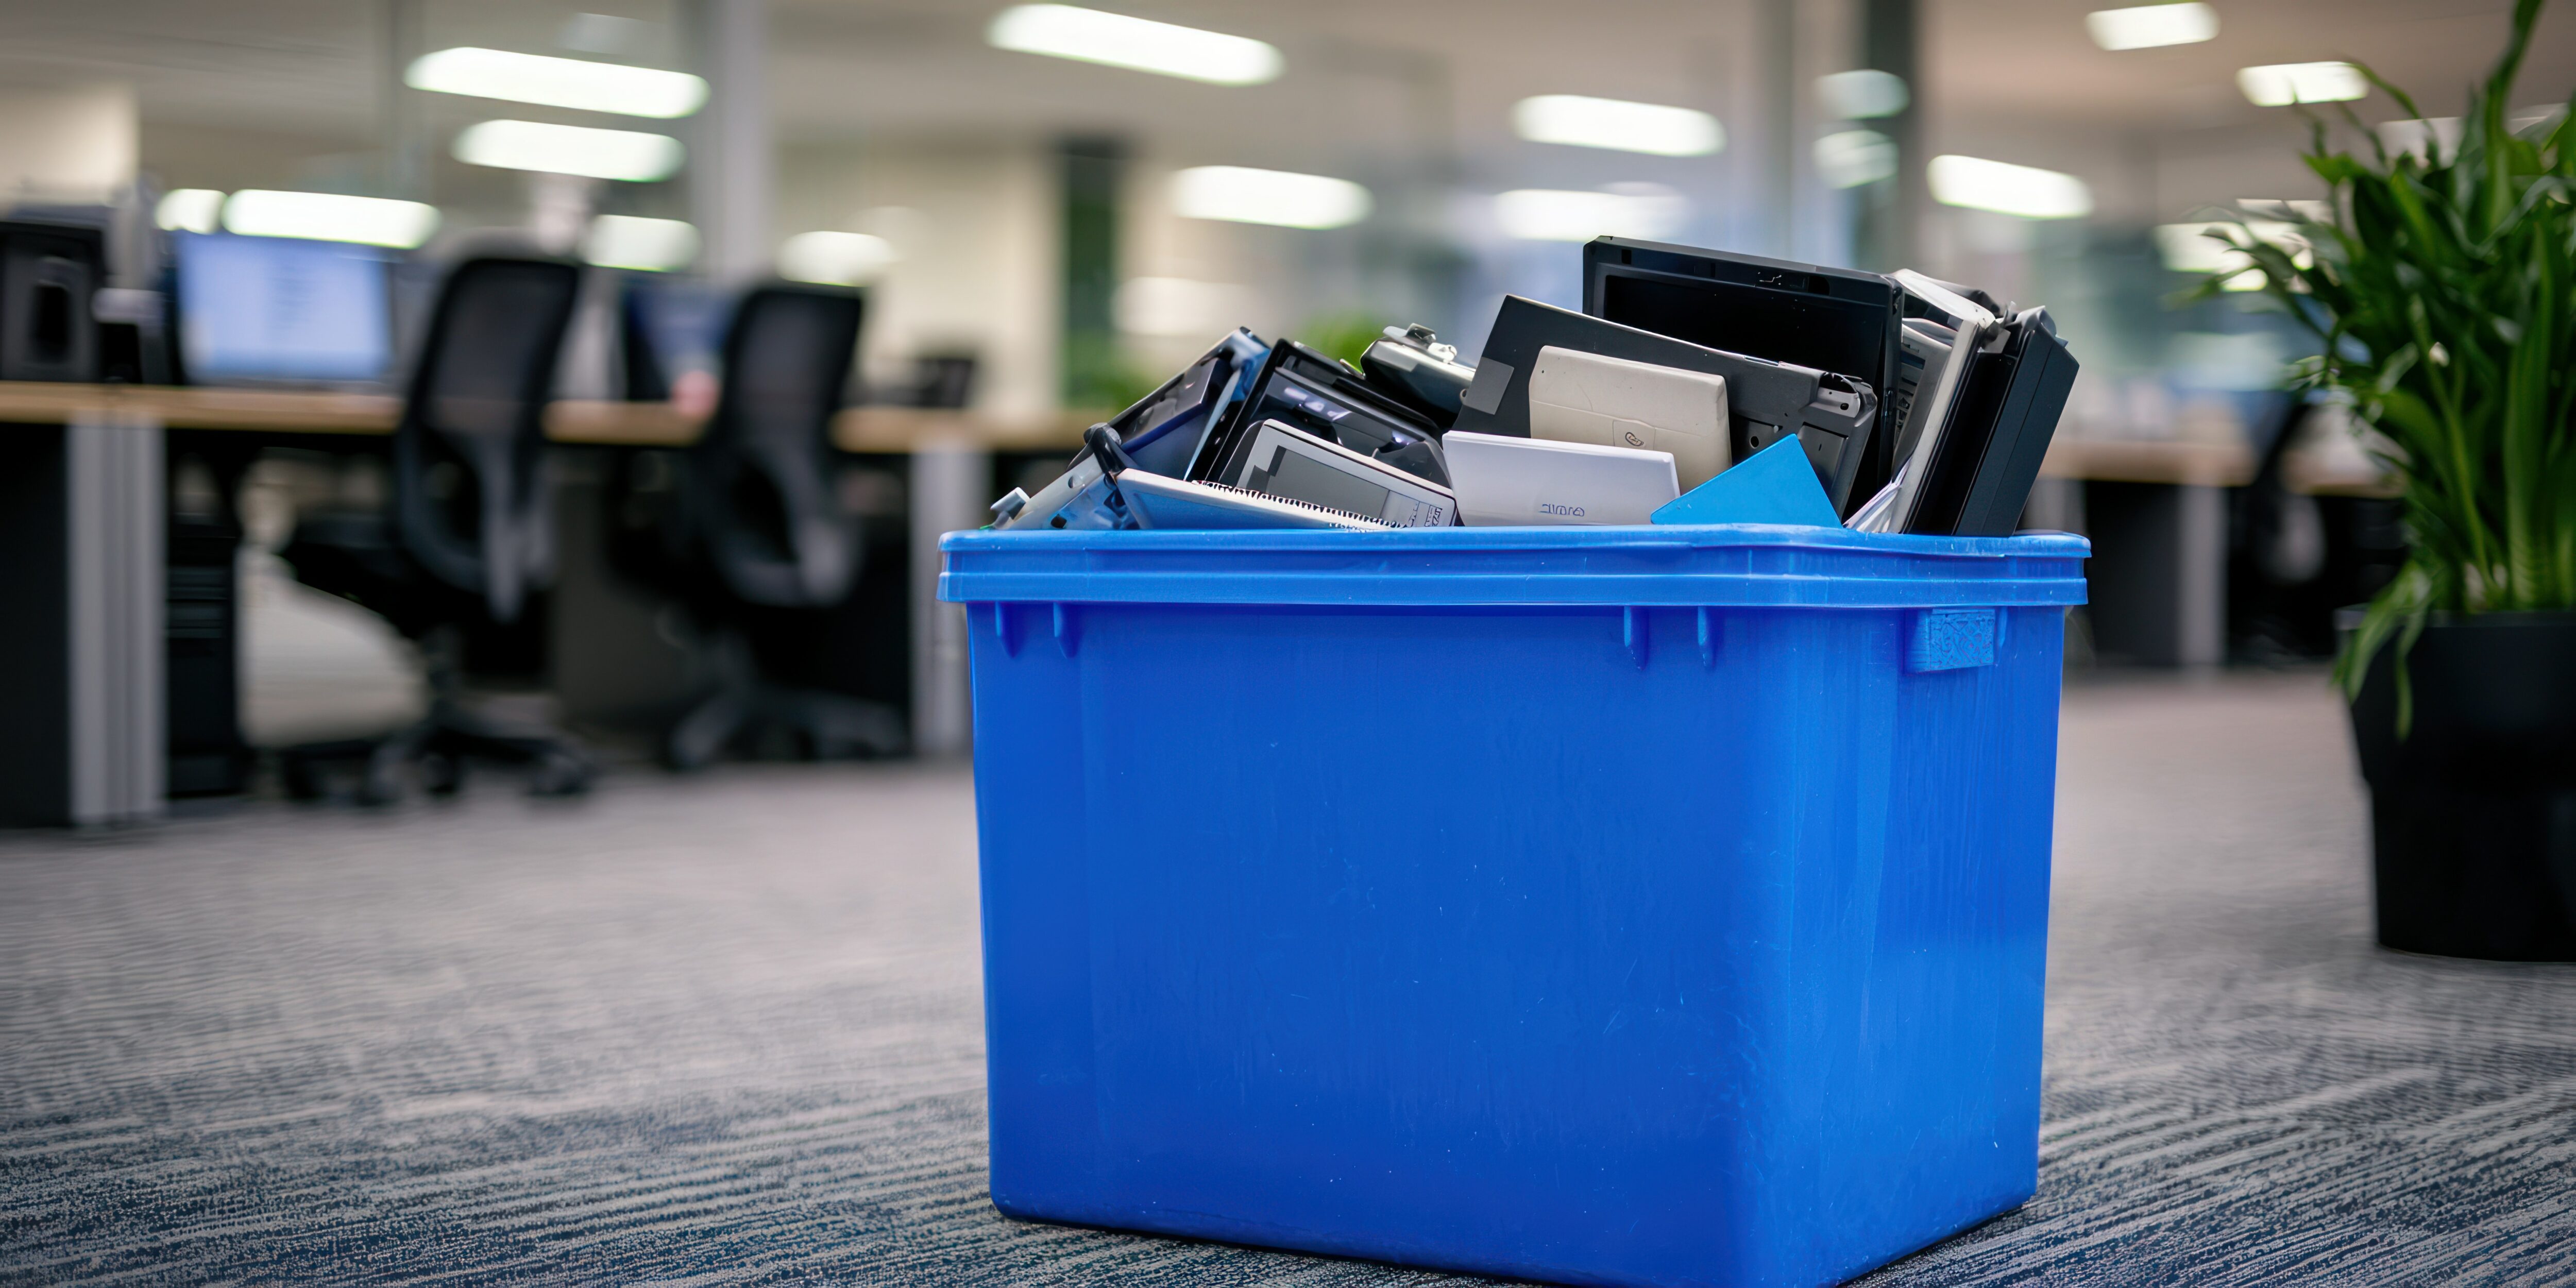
<point x="282" y="310"/>
<point x="1832" y="319"/>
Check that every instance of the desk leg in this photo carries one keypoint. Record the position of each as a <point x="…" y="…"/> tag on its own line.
<point x="81" y="643"/>
<point x="119" y="730"/>
<point x="2158" y="576"/>
<point x="950" y="487"/>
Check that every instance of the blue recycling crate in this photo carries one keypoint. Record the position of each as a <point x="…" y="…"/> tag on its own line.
<point x="1597" y="905"/>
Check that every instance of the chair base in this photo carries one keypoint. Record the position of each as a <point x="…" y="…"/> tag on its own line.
<point x="829" y="725"/>
<point x="435" y="751"/>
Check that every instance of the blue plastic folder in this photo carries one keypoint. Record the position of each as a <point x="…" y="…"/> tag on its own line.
<point x="1774" y="485"/>
<point x="1619" y="905"/>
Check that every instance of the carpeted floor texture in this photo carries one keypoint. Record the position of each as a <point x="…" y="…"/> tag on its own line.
<point x="727" y="1030"/>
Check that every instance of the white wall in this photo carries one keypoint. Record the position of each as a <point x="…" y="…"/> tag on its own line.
<point x="1203" y="278"/>
<point x="976" y="226"/>
<point x="67" y="144"/>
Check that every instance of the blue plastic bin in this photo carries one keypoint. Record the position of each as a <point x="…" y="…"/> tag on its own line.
<point x="1597" y="905"/>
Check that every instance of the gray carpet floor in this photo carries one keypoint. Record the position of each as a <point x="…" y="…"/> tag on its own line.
<point x="727" y="1030"/>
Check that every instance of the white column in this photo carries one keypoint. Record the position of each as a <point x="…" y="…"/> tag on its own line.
<point x="119" y="730"/>
<point x="948" y="492"/>
<point x="68" y="144"/>
<point x="733" y="164"/>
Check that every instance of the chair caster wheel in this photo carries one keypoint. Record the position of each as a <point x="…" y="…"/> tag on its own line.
<point x="559" y="773"/>
<point x="380" y="785"/>
<point x="442" y="774"/>
<point x="301" y="776"/>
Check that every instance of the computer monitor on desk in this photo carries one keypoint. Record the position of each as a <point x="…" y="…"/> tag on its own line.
<point x="283" y="311"/>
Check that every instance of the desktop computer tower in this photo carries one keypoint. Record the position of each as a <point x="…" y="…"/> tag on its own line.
<point x="201" y="627"/>
<point x="48" y="276"/>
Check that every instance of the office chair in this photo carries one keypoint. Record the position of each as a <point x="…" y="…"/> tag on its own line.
<point x="750" y="536"/>
<point x="456" y="560"/>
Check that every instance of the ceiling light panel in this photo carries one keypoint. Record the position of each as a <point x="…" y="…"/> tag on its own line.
<point x="1851" y="158"/>
<point x="2282" y="84"/>
<point x="1138" y="44"/>
<point x="646" y="245"/>
<point x="1578" y="121"/>
<point x="1283" y="198"/>
<point x="1863" y="95"/>
<point x="330" y="216"/>
<point x="2425" y="140"/>
<point x="2190" y="248"/>
<point x="2288" y="209"/>
<point x="558" y="82"/>
<point x="628" y="155"/>
<point x="190" y="210"/>
<point x="833" y="258"/>
<point x="1551" y="214"/>
<point x="2152" y="26"/>
<point x="2007" y="189"/>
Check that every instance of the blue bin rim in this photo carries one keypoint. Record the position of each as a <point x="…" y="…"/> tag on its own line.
<point x="1747" y="565"/>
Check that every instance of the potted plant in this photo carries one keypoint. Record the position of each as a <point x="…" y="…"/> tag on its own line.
<point x="2441" y="284"/>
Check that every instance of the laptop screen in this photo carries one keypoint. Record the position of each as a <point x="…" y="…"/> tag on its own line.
<point x="282" y="310"/>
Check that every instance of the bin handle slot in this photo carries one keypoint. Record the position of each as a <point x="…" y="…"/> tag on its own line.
<point x="1952" y="639"/>
<point x="1002" y="629"/>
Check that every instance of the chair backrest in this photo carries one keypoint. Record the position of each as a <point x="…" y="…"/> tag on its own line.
<point x="470" y="498"/>
<point x="761" y="475"/>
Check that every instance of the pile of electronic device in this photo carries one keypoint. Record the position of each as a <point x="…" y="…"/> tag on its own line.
<point x="1921" y="406"/>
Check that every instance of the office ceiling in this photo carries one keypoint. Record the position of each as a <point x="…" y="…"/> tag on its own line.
<point x="1389" y="84"/>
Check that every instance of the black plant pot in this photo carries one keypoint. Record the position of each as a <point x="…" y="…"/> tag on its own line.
<point x="2473" y="813"/>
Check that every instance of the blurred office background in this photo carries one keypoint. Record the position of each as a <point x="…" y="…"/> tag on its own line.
<point x="1048" y="211"/>
<point x="728" y="1026"/>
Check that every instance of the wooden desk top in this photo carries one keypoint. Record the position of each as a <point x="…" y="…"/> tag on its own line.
<point x="870" y="429"/>
<point x="858" y="429"/>
<point x="2149" y="461"/>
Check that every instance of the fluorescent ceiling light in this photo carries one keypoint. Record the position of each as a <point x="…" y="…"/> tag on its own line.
<point x="2149" y="26"/>
<point x="570" y="149"/>
<point x="558" y="82"/>
<point x="834" y="258"/>
<point x="1286" y="199"/>
<point x="649" y="245"/>
<point x="2426" y="140"/>
<point x="190" y="210"/>
<point x="2286" y="209"/>
<point x="1138" y="44"/>
<point x="2008" y="189"/>
<point x="1550" y="214"/>
<point x="2189" y="248"/>
<point x="329" y="216"/>
<point x="1863" y="95"/>
<point x="1850" y="158"/>
<point x="1577" y="121"/>
<point x="2281" y="84"/>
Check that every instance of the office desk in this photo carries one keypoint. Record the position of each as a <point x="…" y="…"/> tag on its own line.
<point x="889" y="430"/>
<point x="81" y="528"/>
<point x="2179" y="464"/>
<point x="2157" y="513"/>
<point x="82" y="546"/>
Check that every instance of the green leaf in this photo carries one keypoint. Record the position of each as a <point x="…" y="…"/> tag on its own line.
<point x="2443" y="293"/>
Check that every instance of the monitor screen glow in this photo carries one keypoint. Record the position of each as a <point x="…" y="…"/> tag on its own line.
<point x="281" y="309"/>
